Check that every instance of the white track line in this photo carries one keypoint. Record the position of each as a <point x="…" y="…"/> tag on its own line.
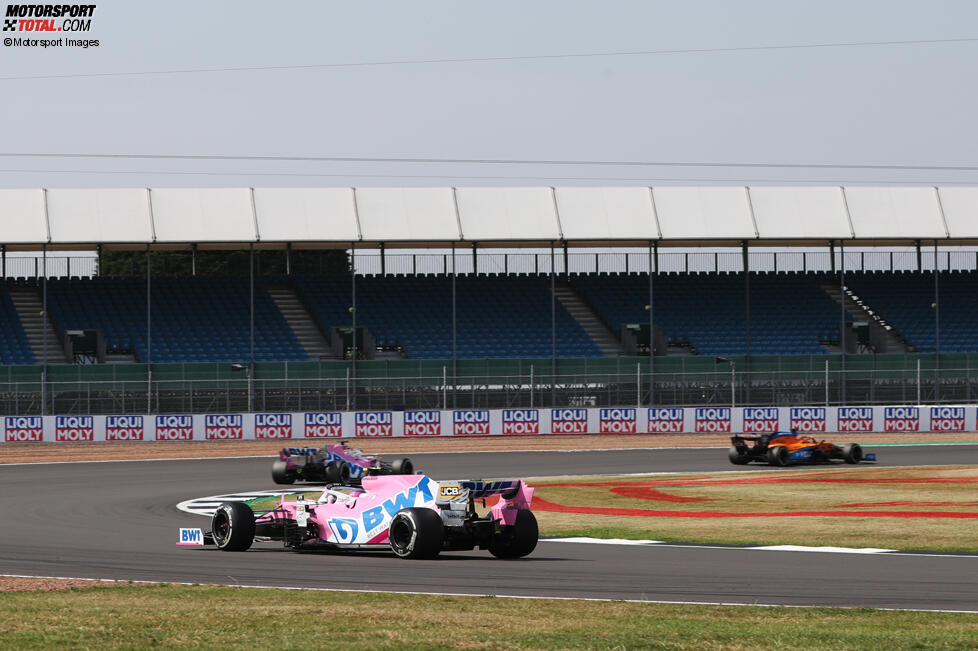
<point x="763" y="548"/>
<point x="479" y="596"/>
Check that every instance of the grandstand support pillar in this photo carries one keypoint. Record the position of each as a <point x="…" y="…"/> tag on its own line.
<point x="353" y="320"/>
<point x="149" y="333"/>
<point x="920" y="262"/>
<point x="3" y="259"/>
<point x="383" y="261"/>
<point x="553" y="329"/>
<point x="747" y="365"/>
<point x="842" y="321"/>
<point x="937" y="329"/>
<point x="567" y="261"/>
<point x="44" y="330"/>
<point x="454" y="333"/>
<point x="653" y="260"/>
<point x="288" y="259"/>
<point x="832" y="255"/>
<point x="251" y="326"/>
<point x="475" y="258"/>
<point x="193" y="259"/>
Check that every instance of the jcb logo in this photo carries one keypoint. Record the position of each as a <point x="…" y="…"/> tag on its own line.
<point x="450" y="490"/>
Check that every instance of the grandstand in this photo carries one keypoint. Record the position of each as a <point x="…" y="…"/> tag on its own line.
<point x="541" y="316"/>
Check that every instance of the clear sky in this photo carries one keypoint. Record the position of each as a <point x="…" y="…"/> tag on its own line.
<point x="899" y="104"/>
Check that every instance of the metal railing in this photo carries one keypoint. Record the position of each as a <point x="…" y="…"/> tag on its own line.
<point x="530" y="389"/>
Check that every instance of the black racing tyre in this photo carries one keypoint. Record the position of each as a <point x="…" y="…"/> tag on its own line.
<point x="777" y="456"/>
<point x="281" y="473"/>
<point x="518" y="540"/>
<point x="737" y="456"/>
<point x="416" y="533"/>
<point x="337" y="472"/>
<point x="233" y="526"/>
<point x="852" y="453"/>
<point x="402" y="467"/>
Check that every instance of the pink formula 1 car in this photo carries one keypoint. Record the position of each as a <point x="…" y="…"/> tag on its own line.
<point x="334" y="463"/>
<point x="411" y="515"/>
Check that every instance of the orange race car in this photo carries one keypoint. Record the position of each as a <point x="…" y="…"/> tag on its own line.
<point x="782" y="449"/>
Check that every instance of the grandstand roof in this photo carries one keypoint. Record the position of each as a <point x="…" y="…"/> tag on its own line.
<point x="491" y="216"/>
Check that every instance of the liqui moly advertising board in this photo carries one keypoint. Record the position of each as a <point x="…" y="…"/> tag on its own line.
<point x="807" y="419"/>
<point x="223" y="427"/>
<point x="901" y="419"/>
<point x="273" y="426"/>
<point x="760" y="419"/>
<point x="568" y="421"/>
<point x="521" y="421"/>
<point x="124" y="428"/>
<point x="470" y="422"/>
<point x="855" y="419"/>
<point x="619" y="420"/>
<point x="947" y="419"/>
<point x="175" y="428"/>
<point x="373" y="423"/>
<point x="20" y="429"/>
<point x="713" y="419"/>
<point x="74" y="428"/>
<point x="666" y="420"/>
<point x="422" y="422"/>
<point x="323" y="424"/>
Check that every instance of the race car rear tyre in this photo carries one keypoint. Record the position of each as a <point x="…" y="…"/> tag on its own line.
<point x="233" y="527"/>
<point x="737" y="457"/>
<point x="416" y="533"/>
<point x="337" y="472"/>
<point x="281" y="473"/>
<point x="777" y="456"/>
<point x="518" y="540"/>
<point x="852" y="453"/>
<point x="402" y="467"/>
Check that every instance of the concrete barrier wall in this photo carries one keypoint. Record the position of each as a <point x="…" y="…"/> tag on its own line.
<point x="495" y="422"/>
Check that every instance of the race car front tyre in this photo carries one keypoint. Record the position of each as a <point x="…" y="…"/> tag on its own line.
<point x="402" y="467"/>
<point x="777" y="456"/>
<point x="233" y="527"/>
<point x="416" y="533"/>
<point x="518" y="540"/>
<point x="281" y="473"/>
<point x="337" y="472"/>
<point x="852" y="453"/>
<point x="737" y="457"/>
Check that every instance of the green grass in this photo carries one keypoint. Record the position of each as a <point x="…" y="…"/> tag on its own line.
<point x="214" y="617"/>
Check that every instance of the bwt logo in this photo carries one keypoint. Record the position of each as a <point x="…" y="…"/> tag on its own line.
<point x="123" y="428"/>
<point x="713" y="419"/>
<point x="808" y="419"/>
<point x="470" y="421"/>
<point x="422" y="423"/>
<point x="273" y="426"/>
<point x="74" y="428"/>
<point x="617" y="421"/>
<point x="901" y="419"/>
<point x="947" y="419"/>
<point x="24" y="428"/>
<point x="223" y="427"/>
<point x="760" y="419"/>
<point x="323" y="424"/>
<point x="374" y="423"/>
<point x="568" y="421"/>
<point x="664" y="420"/>
<point x="855" y="419"/>
<point x="174" y="428"/>
<point x="521" y="421"/>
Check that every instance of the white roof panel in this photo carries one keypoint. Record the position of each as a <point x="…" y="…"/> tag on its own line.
<point x="103" y="216"/>
<point x="703" y="213"/>
<point x="606" y="214"/>
<point x="960" y="206"/>
<point x="203" y="215"/>
<point x="800" y="213"/>
<point x="407" y="214"/>
<point x="306" y="214"/>
<point x="895" y="213"/>
<point x="507" y="214"/>
<point x="22" y="217"/>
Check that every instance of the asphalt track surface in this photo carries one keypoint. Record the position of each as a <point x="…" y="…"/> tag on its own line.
<point x="119" y="521"/>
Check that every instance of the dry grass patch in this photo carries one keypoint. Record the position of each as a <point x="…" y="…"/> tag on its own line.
<point x="171" y="616"/>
